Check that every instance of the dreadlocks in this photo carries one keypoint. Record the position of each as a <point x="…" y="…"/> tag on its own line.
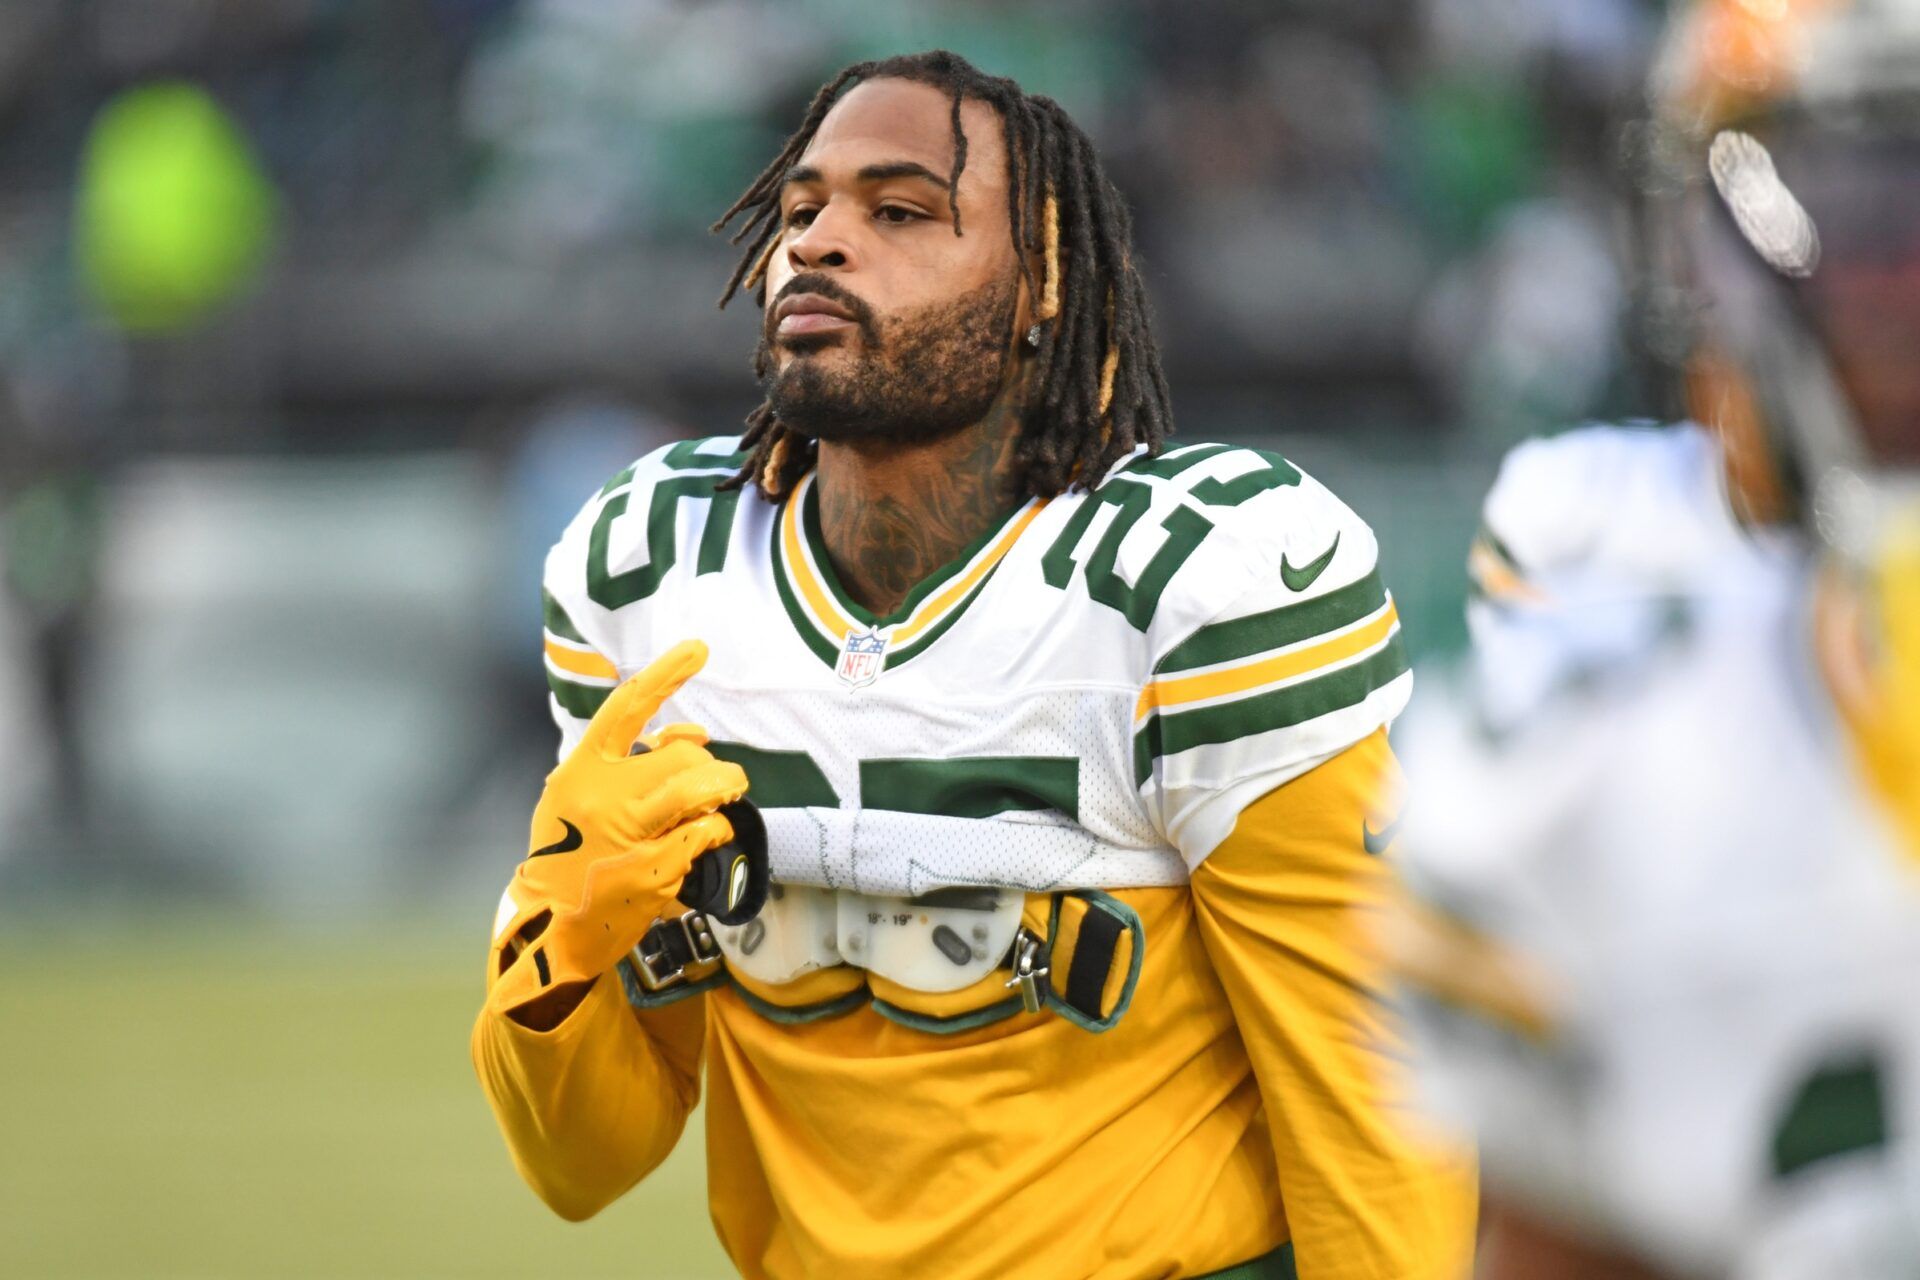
<point x="1097" y="389"/>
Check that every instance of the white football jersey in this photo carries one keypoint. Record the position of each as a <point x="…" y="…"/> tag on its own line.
<point x="1663" y="955"/>
<point x="1086" y="698"/>
<point x="1581" y="538"/>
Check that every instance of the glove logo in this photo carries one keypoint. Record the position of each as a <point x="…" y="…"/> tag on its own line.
<point x="565" y="844"/>
<point x="738" y="883"/>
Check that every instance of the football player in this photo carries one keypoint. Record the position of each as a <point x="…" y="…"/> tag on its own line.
<point x="1665" y="930"/>
<point x="1071" y="751"/>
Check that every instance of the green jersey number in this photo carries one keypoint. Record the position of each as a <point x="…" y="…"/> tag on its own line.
<point x="612" y="590"/>
<point x="1185" y="527"/>
<point x="968" y="787"/>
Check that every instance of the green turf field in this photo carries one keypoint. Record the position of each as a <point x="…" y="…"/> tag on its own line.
<point x="193" y="1100"/>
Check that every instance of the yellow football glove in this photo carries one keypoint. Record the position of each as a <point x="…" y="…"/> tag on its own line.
<point x="613" y="836"/>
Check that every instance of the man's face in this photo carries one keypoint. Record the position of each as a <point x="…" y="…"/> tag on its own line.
<point x="880" y="322"/>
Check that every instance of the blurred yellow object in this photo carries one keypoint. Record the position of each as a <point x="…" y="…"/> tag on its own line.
<point x="1872" y="658"/>
<point x="1449" y="960"/>
<point x="1495" y="575"/>
<point x="174" y="215"/>
<point x="1722" y="397"/>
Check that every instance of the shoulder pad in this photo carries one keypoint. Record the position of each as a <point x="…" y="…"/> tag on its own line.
<point x="1271" y="641"/>
<point x="1630" y="505"/>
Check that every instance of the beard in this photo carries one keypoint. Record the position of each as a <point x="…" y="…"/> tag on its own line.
<point x="917" y="376"/>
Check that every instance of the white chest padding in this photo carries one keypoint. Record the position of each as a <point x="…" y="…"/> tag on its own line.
<point x="939" y="941"/>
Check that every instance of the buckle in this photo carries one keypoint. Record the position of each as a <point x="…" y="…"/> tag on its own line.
<point x="1029" y="969"/>
<point x="672" y="947"/>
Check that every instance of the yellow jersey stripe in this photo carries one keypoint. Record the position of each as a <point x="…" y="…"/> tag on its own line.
<point x="579" y="663"/>
<point x="1284" y="666"/>
<point x="827" y="614"/>
<point x="835" y="623"/>
<point x="931" y="609"/>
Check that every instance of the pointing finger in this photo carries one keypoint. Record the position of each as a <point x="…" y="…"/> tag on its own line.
<point x="624" y="715"/>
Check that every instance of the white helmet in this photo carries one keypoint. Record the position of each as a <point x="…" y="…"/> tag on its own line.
<point x="1787" y="142"/>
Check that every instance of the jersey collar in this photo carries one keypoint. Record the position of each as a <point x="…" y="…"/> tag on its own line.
<point x="825" y="615"/>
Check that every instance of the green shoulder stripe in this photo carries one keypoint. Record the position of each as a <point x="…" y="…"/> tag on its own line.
<point x="1170" y="734"/>
<point x="576" y="699"/>
<point x="555" y="619"/>
<point x="1276" y="628"/>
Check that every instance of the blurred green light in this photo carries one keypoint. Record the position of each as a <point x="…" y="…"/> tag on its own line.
<point x="174" y="215"/>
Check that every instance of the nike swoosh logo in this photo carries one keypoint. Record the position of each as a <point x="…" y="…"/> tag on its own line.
<point x="1377" y="842"/>
<point x="737" y="882"/>
<point x="1302" y="578"/>
<point x="565" y="844"/>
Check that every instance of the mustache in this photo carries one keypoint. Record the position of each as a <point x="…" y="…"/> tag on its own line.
<point x="829" y="288"/>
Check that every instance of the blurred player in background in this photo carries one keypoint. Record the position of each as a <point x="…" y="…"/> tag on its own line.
<point x="1072" y="753"/>
<point x="1666" y="931"/>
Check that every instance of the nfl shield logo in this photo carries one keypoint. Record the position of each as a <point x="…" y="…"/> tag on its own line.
<point x="861" y="659"/>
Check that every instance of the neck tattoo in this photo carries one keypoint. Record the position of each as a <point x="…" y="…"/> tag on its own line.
<point x="891" y="519"/>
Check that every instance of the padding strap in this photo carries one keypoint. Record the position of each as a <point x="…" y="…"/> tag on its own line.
<point x="1087" y="977"/>
<point x="1105" y="945"/>
<point x="672" y="947"/>
<point x="640" y="996"/>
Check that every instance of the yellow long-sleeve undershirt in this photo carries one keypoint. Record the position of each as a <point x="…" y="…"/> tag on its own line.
<point x="594" y="1105"/>
<point x="1287" y="910"/>
<point x="1238" y="1104"/>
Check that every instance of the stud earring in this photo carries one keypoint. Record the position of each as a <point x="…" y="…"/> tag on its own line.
<point x="1033" y="336"/>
